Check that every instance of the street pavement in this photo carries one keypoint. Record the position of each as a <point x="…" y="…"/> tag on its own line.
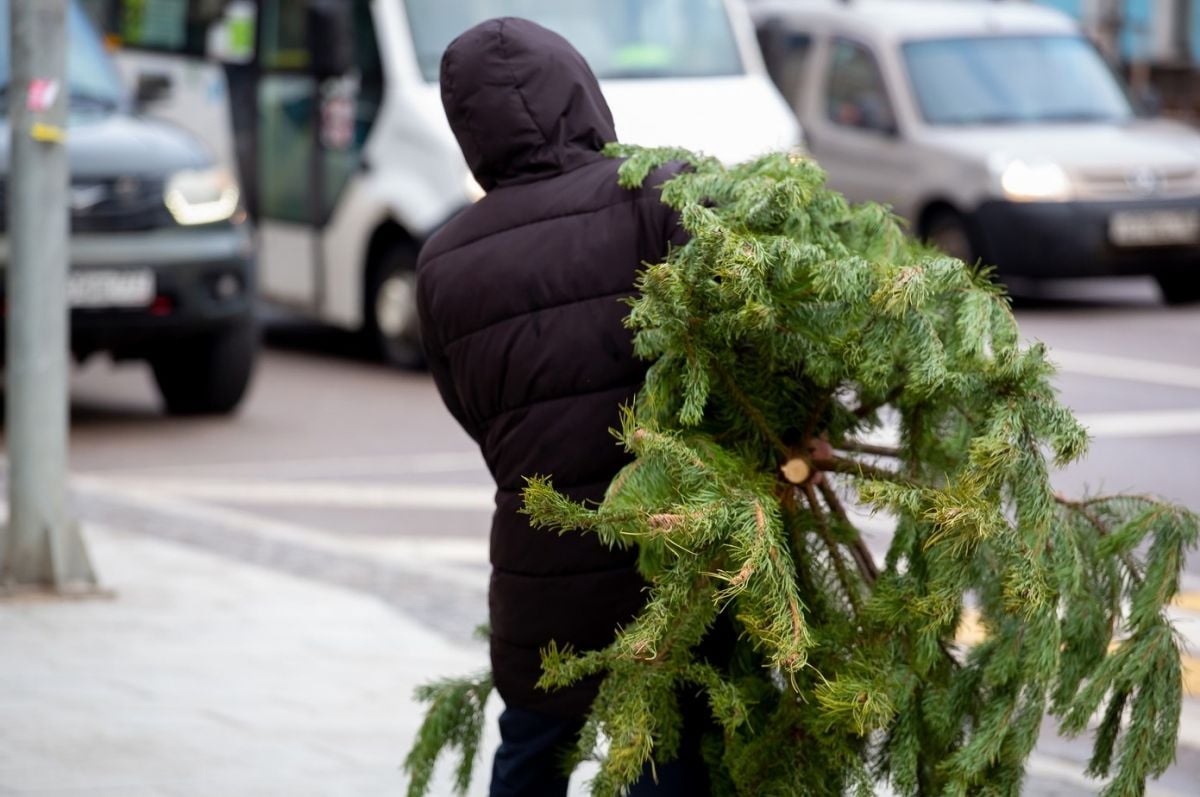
<point x="343" y="489"/>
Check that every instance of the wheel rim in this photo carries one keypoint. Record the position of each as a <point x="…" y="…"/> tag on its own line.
<point x="952" y="239"/>
<point x="396" y="307"/>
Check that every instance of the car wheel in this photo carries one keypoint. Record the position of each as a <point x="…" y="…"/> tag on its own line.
<point x="392" y="326"/>
<point x="948" y="231"/>
<point x="207" y="375"/>
<point x="1180" y="287"/>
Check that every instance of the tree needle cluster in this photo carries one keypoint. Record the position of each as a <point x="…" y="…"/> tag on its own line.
<point x="786" y="336"/>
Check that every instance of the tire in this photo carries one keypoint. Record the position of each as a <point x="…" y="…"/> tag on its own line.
<point x="948" y="230"/>
<point x="392" y="327"/>
<point x="1180" y="287"/>
<point x="207" y="375"/>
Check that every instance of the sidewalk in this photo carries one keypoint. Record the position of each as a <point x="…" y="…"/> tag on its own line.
<point x="205" y="676"/>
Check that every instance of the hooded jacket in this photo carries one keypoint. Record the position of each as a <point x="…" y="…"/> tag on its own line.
<point x="520" y="297"/>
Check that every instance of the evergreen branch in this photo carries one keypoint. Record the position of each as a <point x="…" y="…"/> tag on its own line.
<point x="835" y="555"/>
<point x="454" y="720"/>
<point x="853" y="467"/>
<point x="837" y="674"/>
<point x="1084" y="510"/>
<point x="867" y="409"/>
<point x="753" y="413"/>
<point x="862" y="554"/>
<point x="868" y="448"/>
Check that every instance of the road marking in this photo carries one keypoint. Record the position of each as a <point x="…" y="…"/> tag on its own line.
<point x="1141" y="423"/>
<point x="1130" y="369"/>
<point x="377" y="465"/>
<point x="461" y="561"/>
<point x="357" y="495"/>
<point x="1100" y="425"/>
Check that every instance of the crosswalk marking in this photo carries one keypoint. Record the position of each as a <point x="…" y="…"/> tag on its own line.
<point x="460" y="559"/>
<point x="356" y="495"/>
<point x="1108" y="366"/>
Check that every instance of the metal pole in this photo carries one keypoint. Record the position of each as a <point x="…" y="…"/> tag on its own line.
<point x="41" y="545"/>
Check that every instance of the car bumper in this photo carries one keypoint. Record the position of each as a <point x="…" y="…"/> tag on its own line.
<point x="192" y="272"/>
<point x="1072" y="239"/>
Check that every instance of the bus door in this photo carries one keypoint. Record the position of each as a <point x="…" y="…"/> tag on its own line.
<point x="319" y="85"/>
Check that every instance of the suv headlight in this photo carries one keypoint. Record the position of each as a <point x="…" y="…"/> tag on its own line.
<point x="1037" y="182"/>
<point x="201" y="196"/>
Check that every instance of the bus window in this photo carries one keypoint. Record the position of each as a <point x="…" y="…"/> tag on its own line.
<point x="169" y="26"/>
<point x="284" y="28"/>
<point x="286" y="98"/>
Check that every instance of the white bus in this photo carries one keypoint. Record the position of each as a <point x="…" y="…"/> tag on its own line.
<point x="346" y="158"/>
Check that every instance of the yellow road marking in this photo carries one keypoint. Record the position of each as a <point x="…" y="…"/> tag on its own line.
<point x="1191" y="676"/>
<point x="971" y="632"/>
<point x="1188" y="601"/>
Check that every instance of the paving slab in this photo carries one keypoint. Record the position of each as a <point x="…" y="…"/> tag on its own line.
<point x="205" y="676"/>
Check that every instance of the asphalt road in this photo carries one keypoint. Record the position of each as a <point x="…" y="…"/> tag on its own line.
<point x="339" y="469"/>
<point x="333" y="440"/>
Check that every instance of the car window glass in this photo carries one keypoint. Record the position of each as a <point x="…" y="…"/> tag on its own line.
<point x="621" y="39"/>
<point x="1013" y="80"/>
<point x="786" y="55"/>
<point x="856" y="95"/>
<point x="92" y="79"/>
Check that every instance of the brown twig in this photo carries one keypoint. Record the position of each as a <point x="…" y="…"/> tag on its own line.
<point x="834" y="554"/>
<point x="858" y="549"/>
<point x="867" y="448"/>
<point x="853" y="467"/>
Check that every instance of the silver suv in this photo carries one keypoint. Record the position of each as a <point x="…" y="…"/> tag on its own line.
<point x="162" y="265"/>
<point x="996" y="129"/>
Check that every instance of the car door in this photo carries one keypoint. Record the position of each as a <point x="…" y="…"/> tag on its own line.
<point x="310" y="136"/>
<point x="851" y="125"/>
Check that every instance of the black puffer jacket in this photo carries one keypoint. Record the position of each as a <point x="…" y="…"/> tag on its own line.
<point x="520" y="300"/>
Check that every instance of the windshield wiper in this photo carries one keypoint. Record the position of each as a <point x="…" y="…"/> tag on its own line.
<point x="986" y="119"/>
<point x="1077" y="116"/>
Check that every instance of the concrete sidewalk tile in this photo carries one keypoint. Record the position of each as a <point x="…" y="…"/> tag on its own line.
<point x="206" y="676"/>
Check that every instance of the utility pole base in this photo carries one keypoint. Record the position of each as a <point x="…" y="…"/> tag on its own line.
<point x="59" y="563"/>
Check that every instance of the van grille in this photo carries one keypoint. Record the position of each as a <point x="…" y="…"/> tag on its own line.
<point x="1144" y="183"/>
<point x="122" y="204"/>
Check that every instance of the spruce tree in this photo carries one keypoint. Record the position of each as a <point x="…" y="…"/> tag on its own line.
<point x="782" y="335"/>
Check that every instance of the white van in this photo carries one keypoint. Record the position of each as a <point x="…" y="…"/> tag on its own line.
<point x="996" y="129"/>
<point x="347" y="160"/>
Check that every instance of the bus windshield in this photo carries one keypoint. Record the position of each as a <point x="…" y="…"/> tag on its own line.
<point x="1013" y="80"/>
<point x="619" y="38"/>
<point x="91" y="77"/>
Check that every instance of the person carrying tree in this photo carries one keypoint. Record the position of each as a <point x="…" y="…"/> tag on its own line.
<point x="520" y="297"/>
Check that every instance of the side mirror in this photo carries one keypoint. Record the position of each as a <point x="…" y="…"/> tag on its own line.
<point x="330" y="34"/>
<point x="151" y="87"/>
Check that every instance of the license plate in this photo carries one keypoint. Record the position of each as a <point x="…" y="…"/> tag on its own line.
<point x="1154" y="227"/>
<point x="96" y="288"/>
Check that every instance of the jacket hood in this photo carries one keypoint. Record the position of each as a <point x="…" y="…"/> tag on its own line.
<point x="523" y="103"/>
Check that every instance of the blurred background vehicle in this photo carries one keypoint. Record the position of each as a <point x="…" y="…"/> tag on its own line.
<point x="997" y="130"/>
<point x="343" y="146"/>
<point x="161" y="261"/>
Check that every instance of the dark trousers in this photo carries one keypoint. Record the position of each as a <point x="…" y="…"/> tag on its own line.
<point x="533" y="747"/>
